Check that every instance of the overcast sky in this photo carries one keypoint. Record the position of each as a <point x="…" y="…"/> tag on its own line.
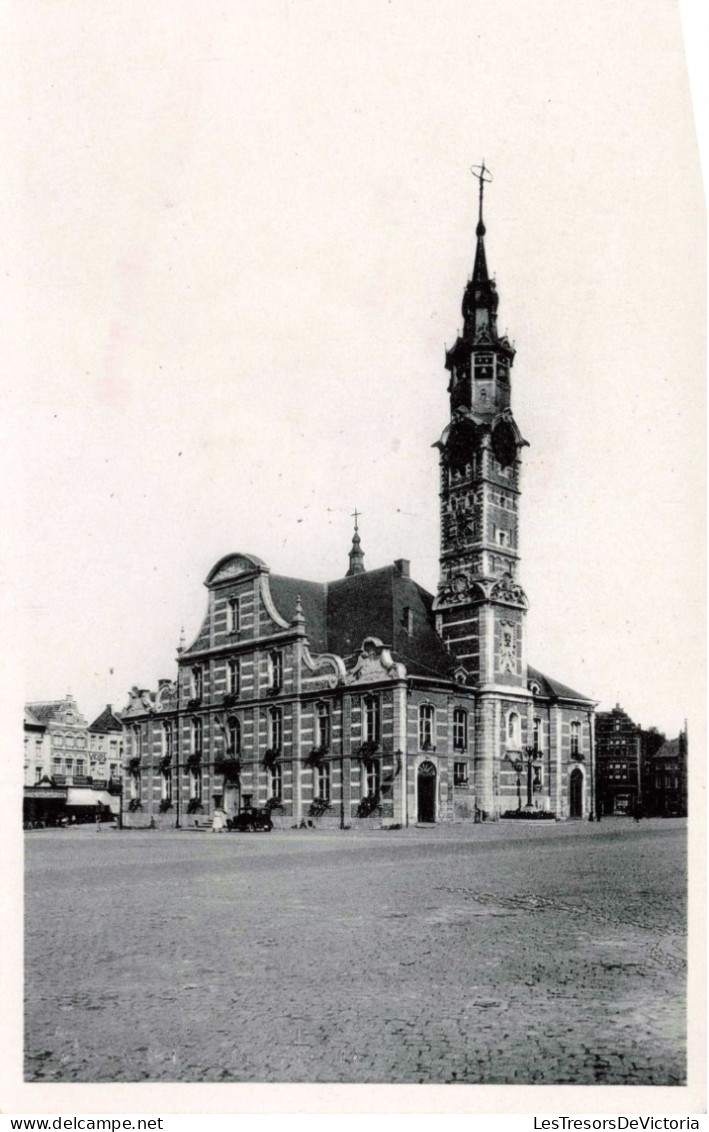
<point x="249" y="227"/>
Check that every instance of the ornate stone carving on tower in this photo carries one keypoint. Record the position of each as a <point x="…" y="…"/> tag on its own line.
<point x="480" y="605"/>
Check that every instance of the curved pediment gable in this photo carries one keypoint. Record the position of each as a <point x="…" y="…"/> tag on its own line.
<point x="374" y="662"/>
<point x="234" y="566"/>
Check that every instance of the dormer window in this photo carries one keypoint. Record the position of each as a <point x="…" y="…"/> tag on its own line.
<point x="407" y="619"/>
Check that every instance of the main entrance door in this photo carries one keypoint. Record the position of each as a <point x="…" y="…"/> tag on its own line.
<point x="576" y="794"/>
<point x="426" y="791"/>
<point x="232" y="798"/>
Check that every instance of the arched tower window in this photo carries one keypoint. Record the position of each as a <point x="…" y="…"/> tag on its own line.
<point x="575" y="737"/>
<point x="514" y="734"/>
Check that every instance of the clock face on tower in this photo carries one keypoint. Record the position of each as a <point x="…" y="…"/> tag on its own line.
<point x="503" y="445"/>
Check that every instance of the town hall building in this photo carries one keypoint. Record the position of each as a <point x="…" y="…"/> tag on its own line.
<point x="367" y="698"/>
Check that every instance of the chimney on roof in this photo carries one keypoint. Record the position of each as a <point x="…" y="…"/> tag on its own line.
<point x="402" y="565"/>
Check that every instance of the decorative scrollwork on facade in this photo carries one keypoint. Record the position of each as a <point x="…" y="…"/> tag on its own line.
<point x="508" y="590"/>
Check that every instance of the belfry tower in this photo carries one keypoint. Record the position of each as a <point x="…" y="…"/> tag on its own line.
<point x="480" y="606"/>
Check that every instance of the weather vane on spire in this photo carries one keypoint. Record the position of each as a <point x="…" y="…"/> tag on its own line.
<point x="483" y="175"/>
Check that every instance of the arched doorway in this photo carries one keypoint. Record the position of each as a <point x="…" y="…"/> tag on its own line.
<point x="576" y="793"/>
<point x="426" y="792"/>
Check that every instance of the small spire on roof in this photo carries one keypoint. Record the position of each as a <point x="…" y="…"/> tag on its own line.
<point x="356" y="553"/>
<point x="181" y="645"/>
<point x="298" y="617"/>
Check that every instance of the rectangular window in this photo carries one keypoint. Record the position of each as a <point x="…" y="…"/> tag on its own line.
<point x="324" y="781"/>
<point x="275" y="784"/>
<point x="167" y="785"/>
<point x="196" y="784"/>
<point x="234" y="615"/>
<point x="460" y="729"/>
<point x="197" y="736"/>
<point x="275" y="728"/>
<point x="38" y="774"/>
<point x="197" y="682"/>
<point x="233" y="677"/>
<point x="371" y="722"/>
<point x="323" y="726"/>
<point x="79" y="766"/>
<point x="460" y="774"/>
<point x="426" y="712"/>
<point x="372" y="778"/>
<point x="275" y="666"/>
<point x="407" y="619"/>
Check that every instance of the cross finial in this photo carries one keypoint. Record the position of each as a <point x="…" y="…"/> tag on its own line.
<point x="483" y="175"/>
<point x="356" y="515"/>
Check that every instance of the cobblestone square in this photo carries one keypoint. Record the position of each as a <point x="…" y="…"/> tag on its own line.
<point x="491" y="954"/>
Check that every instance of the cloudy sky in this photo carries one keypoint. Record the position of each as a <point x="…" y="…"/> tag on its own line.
<point x="246" y="230"/>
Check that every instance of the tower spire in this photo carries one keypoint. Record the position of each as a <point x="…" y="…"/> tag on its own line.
<point x="356" y="553"/>
<point x="480" y="298"/>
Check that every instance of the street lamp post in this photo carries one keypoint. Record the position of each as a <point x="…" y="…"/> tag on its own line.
<point x="518" y="763"/>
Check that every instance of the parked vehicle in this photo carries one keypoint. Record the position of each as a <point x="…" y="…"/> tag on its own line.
<point x="251" y="820"/>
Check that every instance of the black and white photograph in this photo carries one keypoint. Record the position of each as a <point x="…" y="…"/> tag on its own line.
<point x="359" y="576"/>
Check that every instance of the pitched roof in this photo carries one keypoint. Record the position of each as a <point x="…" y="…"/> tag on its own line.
<point x="285" y="592"/>
<point x="670" y="749"/>
<point x="372" y="604"/>
<point x="553" y="688"/>
<point x="340" y="614"/>
<point x="108" y="720"/>
<point x="45" y="710"/>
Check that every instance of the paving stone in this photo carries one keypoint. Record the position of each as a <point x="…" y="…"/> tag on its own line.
<point x="459" y="953"/>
